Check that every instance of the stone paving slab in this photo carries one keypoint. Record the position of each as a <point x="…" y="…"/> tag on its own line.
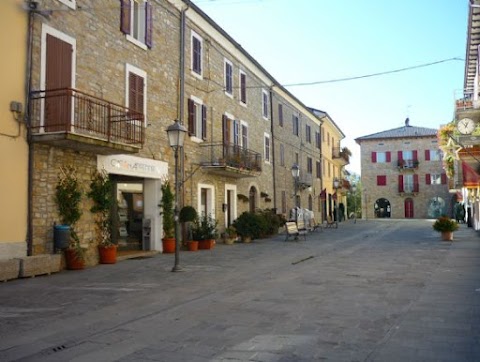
<point x="372" y="291"/>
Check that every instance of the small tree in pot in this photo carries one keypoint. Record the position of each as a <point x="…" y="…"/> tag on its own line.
<point x="446" y="227"/>
<point x="187" y="215"/>
<point x="168" y="217"/>
<point x="68" y="196"/>
<point x="101" y="193"/>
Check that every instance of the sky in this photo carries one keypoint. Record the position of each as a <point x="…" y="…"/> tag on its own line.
<point x="300" y="41"/>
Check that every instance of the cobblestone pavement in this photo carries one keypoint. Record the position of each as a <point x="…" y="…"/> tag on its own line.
<point x="377" y="290"/>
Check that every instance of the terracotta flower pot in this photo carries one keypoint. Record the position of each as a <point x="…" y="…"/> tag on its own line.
<point x="108" y="254"/>
<point x="447" y="235"/>
<point x="192" y="245"/>
<point x="168" y="245"/>
<point x="73" y="261"/>
<point x="206" y="244"/>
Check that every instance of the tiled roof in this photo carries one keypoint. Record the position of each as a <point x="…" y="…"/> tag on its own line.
<point x="400" y="132"/>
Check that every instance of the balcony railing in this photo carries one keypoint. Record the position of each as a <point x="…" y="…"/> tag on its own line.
<point x="230" y="159"/>
<point x="407" y="164"/>
<point x="69" y="111"/>
<point x="339" y="153"/>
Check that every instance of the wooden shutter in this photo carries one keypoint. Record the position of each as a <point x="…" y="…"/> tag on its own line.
<point x="204" y="122"/>
<point x="136" y="85"/>
<point x="427" y="155"/>
<point x="125" y="11"/>
<point x="415" y="183"/>
<point x="400" y="155"/>
<point x="428" y="179"/>
<point x="389" y="156"/>
<point x="374" y="157"/>
<point x="400" y="183"/>
<point x="226" y="133"/>
<point x="148" y="24"/>
<point x="243" y="89"/>
<point x="444" y="178"/>
<point x="415" y="155"/>
<point x="191" y="117"/>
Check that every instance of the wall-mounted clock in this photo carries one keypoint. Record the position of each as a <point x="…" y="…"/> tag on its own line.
<point x="466" y="126"/>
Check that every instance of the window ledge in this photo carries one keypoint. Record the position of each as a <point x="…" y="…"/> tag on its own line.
<point x="136" y="42"/>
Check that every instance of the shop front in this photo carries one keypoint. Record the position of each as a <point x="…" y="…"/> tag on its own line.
<point x="137" y="186"/>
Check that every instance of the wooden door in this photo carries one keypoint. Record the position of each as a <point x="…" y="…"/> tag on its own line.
<point x="58" y="75"/>
<point x="409" y="208"/>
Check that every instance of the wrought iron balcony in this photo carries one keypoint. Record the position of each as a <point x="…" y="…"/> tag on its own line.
<point x="407" y="165"/>
<point x="70" y="118"/>
<point x="340" y="154"/>
<point x="230" y="160"/>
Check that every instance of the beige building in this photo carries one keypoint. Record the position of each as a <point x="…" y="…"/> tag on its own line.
<point x="13" y="136"/>
<point x="402" y="174"/>
<point x="102" y="98"/>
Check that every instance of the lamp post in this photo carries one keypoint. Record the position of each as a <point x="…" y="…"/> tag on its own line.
<point x="296" y="175"/>
<point x="336" y="185"/>
<point x="176" y="136"/>
<point x="354" y="190"/>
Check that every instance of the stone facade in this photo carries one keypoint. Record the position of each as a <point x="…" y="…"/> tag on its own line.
<point x="103" y="56"/>
<point x="429" y="200"/>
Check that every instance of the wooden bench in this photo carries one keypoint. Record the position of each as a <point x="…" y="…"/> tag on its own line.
<point x="292" y="230"/>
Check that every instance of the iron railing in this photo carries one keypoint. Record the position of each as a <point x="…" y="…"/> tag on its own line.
<point x="230" y="155"/>
<point x="68" y="110"/>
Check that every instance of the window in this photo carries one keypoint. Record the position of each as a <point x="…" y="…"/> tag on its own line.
<point x="317" y="139"/>
<point x="280" y="115"/>
<point x="136" y="21"/>
<point x="197" y="54"/>
<point x="309" y="165"/>
<point x="264" y="104"/>
<point x="244" y="127"/>
<point x="136" y="98"/>
<point x="435" y="179"/>
<point x="243" y="87"/>
<point x="433" y="155"/>
<point x="308" y="133"/>
<point x="318" y="169"/>
<point x="408" y="159"/>
<point x="381" y="157"/>
<point x="381" y="180"/>
<point x="295" y="124"/>
<point x="282" y="155"/>
<point x="197" y="118"/>
<point x="408" y="183"/>
<point x="267" y="147"/>
<point x="228" y="78"/>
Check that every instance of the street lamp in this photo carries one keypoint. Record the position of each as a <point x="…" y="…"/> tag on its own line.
<point x="296" y="175"/>
<point x="176" y="136"/>
<point x="336" y="185"/>
<point x="354" y="191"/>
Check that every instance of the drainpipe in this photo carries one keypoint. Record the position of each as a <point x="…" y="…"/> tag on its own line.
<point x="28" y="85"/>
<point x="273" y="151"/>
<point x="181" y="113"/>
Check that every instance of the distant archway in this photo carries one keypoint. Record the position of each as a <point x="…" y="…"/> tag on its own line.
<point x="383" y="208"/>
<point x="436" y="207"/>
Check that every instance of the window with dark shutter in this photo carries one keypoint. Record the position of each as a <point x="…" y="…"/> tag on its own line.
<point x="280" y="114"/>
<point x="191" y="117"/>
<point x="374" y="157"/>
<point x="428" y="179"/>
<point x="148" y="24"/>
<point x="400" y="155"/>
<point x="243" y="88"/>
<point x="415" y="183"/>
<point x="204" y="122"/>
<point x="400" y="183"/>
<point x="388" y="156"/>
<point x="415" y="155"/>
<point x="381" y="180"/>
<point x="136" y="96"/>
<point x="125" y="10"/>
<point x="427" y="155"/>
<point x="196" y="55"/>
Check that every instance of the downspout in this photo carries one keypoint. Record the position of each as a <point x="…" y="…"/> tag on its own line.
<point x="28" y="86"/>
<point x="181" y="113"/>
<point x="274" y="183"/>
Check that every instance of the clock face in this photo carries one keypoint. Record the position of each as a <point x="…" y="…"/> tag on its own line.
<point x="466" y="126"/>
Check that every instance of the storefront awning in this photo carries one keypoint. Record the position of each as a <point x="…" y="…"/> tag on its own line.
<point x="470" y="177"/>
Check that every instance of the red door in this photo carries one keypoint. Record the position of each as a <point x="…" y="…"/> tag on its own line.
<point x="409" y="208"/>
<point x="58" y="75"/>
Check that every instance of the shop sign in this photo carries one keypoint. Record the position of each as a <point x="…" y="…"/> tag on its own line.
<point x="133" y="166"/>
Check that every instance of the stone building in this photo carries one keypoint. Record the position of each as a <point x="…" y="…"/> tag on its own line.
<point x="108" y="78"/>
<point x="402" y="174"/>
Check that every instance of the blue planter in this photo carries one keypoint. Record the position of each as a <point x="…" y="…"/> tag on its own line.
<point x="61" y="236"/>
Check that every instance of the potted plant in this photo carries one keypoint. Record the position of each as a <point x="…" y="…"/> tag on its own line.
<point x="248" y="225"/>
<point x="187" y="215"/>
<point x="68" y="196"/>
<point x="230" y="235"/>
<point x="101" y="193"/>
<point x="168" y="217"/>
<point x="205" y="231"/>
<point x="446" y="227"/>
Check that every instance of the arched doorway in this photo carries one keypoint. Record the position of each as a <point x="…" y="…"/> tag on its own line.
<point x="383" y="208"/>
<point x="436" y="207"/>
<point x="408" y="208"/>
<point x="252" y="198"/>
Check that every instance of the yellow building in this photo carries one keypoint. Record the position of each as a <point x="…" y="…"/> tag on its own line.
<point x="13" y="137"/>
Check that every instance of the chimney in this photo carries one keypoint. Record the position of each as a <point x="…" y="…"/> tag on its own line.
<point x="407" y="122"/>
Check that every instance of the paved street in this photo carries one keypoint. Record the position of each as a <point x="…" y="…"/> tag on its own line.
<point x="386" y="290"/>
